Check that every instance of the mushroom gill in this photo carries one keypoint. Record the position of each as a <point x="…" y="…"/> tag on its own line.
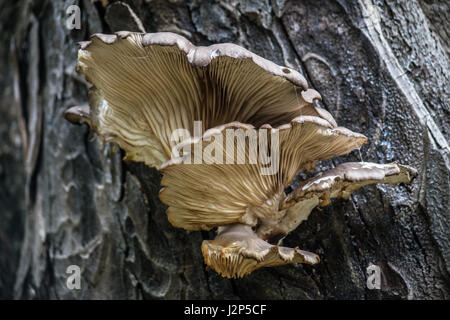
<point x="145" y="86"/>
<point x="244" y="193"/>
<point x="258" y="129"/>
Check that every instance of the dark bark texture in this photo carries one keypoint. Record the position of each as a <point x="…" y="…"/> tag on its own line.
<point x="382" y="68"/>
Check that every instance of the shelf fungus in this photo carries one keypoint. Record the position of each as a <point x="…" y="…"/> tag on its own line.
<point x="229" y="131"/>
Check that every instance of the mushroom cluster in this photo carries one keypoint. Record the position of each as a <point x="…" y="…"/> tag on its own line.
<point x="165" y="101"/>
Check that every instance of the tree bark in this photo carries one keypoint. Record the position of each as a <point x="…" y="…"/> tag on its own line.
<point x="382" y="68"/>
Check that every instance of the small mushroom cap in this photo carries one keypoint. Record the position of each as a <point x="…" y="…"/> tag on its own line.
<point x="237" y="251"/>
<point x="217" y="192"/>
<point x="78" y="115"/>
<point x="343" y="180"/>
<point x="339" y="182"/>
<point x="145" y="86"/>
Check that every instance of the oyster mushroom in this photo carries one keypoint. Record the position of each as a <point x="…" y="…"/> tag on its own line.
<point x="254" y="206"/>
<point x="146" y="86"/>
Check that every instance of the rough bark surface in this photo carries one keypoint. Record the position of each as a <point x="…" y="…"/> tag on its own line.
<point x="382" y="68"/>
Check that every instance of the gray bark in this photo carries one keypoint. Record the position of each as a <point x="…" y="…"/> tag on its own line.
<point x="382" y="68"/>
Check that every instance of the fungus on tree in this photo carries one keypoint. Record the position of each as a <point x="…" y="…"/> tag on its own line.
<point x="259" y="129"/>
<point x="145" y="86"/>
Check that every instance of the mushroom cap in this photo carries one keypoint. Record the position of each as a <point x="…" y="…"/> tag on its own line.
<point x="216" y="192"/>
<point x="339" y="182"/>
<point x="343" y="180"/>
<point x="147" y="85"/>
<point x="237" y="251"/>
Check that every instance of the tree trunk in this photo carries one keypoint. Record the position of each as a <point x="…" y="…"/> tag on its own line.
<point x="382" y="68"/>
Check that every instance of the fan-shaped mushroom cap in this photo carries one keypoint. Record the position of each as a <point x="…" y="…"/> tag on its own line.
<point x="217" y="192"/>
<point x="237" y="251"/>
<point x="148" y="85"/>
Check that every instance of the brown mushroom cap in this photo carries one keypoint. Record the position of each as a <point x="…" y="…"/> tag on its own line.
<point x="237" y="251"/>
<point x="214" y="193"/>
<point x="148" y="85"/>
